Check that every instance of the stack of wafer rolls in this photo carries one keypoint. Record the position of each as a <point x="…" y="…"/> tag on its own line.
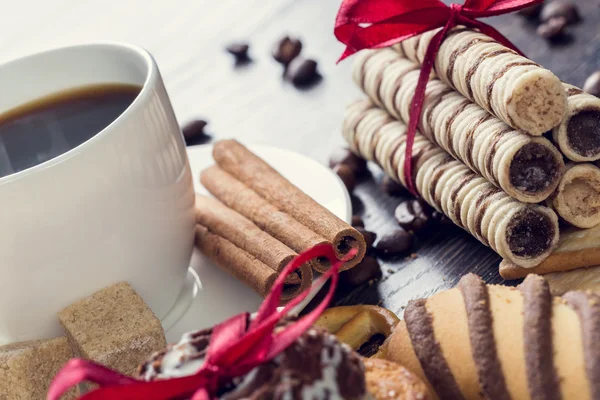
<point x="527" y="168"/>
<point x="515" y="89"/>
<point x="496" y="342"/>
<point x="258" y="222"/>
<point x="522" y="233"/>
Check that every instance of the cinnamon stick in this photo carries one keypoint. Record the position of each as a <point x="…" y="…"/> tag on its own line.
<point x="225" y="222"/>
<point x="235" y="195"/>
<point x="244" y="267"/>
<point x="259" y="176"/>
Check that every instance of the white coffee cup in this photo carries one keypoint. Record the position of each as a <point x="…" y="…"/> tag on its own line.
<point x="119" y="207"/>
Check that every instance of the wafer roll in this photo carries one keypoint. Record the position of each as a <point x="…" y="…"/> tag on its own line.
<point x="263" y="214"/>
<point x="527" y="168"/>
<point x="245" y="267"/>
<point x="515" y="89"/>
<point x="259" y="176"/>
<point x="577" y="198"/>
<point x="525" y="234"/>
<point x="578" y="135"/>
<point x="481" y="341"/>
<point x="228" y="224"/>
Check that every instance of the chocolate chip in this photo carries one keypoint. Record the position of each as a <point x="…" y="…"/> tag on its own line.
<point x="302" y="71"/>
<point x="369" y="236"/>
<point x="394" y="243"/>
<point x="531" y="12"/>
<point x="414" y="215"/>
<point x="239" y="51"/>
<point x="346" y="175"/>
<point x="286" y="49"/>
<point x="371" y="347"/>
<point x="592" y="84"/>
<point x="357" y="222"/>
<point x="553" y="29"/>
<point x="393" y="188"/>
<point x="193" y="132"/>
<point x="344" y="156"/>
<point x="368" y="269"/>
<point x="560" y="8"/>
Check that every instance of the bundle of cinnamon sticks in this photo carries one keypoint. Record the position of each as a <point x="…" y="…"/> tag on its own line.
<point x="258" y="221"/>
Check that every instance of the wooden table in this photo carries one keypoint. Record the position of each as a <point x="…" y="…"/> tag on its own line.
<point x="252" y="103"/>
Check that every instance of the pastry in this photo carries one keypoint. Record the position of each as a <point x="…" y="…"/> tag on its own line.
<point x="577" y="197"/>
<point x="497" y="342"/>
<point x="515" y="89"/>
<point x="525" y="167"/>
<point x="578" y="135"/>
<point x="524" y="234"/>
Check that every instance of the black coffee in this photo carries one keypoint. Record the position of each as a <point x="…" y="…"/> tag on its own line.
<point x="50" y="126"/>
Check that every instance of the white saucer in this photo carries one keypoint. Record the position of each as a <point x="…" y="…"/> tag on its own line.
<point x="210" y="295"/>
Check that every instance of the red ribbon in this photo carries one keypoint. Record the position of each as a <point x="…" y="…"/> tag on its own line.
<point x="234" y="349"/>
<point x="373" y="24"/>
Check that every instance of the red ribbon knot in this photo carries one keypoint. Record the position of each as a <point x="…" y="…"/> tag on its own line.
<point x="374" y="24"/>
<point x="236" y="346"/>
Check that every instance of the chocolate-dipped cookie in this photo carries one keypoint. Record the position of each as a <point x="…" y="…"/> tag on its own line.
<point x="525" y="167"/>
<point x="525" y="234"/>
<point x="515" y="89"/>
<point x="497" y="342"/>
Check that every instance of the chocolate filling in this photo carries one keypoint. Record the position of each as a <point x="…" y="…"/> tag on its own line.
<point x="583" y="132"/>
<point x="529" y="234"/>
<point x="428" y="350"/>
<point x="542" y="379"/>
<point x="481" y="334"/>
<point x="587" y="307"/>
<point x="534" y="168"/>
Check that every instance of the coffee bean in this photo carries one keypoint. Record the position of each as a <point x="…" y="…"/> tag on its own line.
<point x="239" y="51"/>
<point x="346" y="175"/>
<point x="357" y="222"/>
<point x="368" y="269"/>
<point x="531" y="12"/>
<point x="394" y="243"/>
<point x="344" y="156"/>
<point x="414" y="215"/>
<point x="369" y="236"/>
<point x="193" y="132"/>
<point x="302" y="71"/>
<point x="592" y="84"/>
<point x="553" y="29"/>
<point x="286" y="49"/>
<point x="560" y="8"/>
<point x="441" y="219"/>
<point x="393" y="188"/>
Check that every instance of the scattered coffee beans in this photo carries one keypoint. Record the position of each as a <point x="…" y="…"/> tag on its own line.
<point x="553" y="29"/>
<point x="393" y="188"/>
<point x="344" y="156"/>
<point x="592" y="84"/>
<point x="357" y="222"/>
<point x="369" y="236"/>
<point x="394" y="243"/>
<point x="367" y="270"/>
<point x="302" y="71"/>
<point x="414" y="215"/>
<point x="239" y="51"/>
<point x="286" y="49"/>
<point x="193" y="132"/>
<point x="558" y="9"/>
<point x="346" y="175"/>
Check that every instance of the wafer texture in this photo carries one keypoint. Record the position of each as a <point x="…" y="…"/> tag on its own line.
<point x="525" y="167"/>
<point x="469" y="200"/>
<point x="512" y="87"/>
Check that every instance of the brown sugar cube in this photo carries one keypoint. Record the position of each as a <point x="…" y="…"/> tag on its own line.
<point x="113" y="327"/>
<point x="27" y="368"/>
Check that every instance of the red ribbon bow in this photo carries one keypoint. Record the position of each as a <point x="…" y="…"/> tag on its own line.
<point x="373" y="24"/>
<point x="234" y="349"/>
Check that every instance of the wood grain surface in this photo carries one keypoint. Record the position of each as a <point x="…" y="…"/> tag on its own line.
<point x="252" y="103"/>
